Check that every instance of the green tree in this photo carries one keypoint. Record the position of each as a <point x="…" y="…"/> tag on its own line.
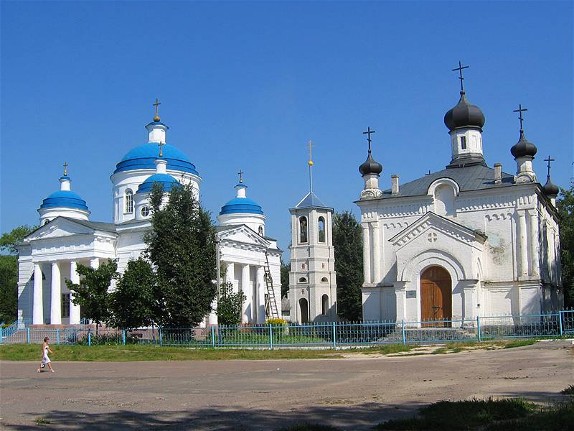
<point x="181" y="247"/>
<point x="9" y="272"/>
<point x="285" y="267"/>
<point x="92" y="293"/>
<point x="229" y="305"/>
<point x="348" y="243"/>
<point x="565" y="206"/>
<point x="132" y="303"/>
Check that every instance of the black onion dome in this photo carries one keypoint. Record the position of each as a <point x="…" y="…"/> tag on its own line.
<point x="464" y="114"/>
<point x="550" y="189"/>
<point x="370" y="166"/>
<point x="523" y="147"/>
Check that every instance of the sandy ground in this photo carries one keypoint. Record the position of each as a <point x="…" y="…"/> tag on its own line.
<point x="353" y="393"/>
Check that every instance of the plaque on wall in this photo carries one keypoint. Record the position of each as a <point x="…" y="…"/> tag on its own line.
<point x="411" y="293"/>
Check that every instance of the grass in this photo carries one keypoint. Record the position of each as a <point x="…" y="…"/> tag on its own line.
<point x="150" y="352"/>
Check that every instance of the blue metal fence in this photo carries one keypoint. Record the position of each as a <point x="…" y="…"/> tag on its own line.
<point x="313" y="335"/>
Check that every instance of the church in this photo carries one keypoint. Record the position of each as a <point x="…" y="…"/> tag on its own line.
<point x="465" y="241"/>
<point x="248" y="258"/>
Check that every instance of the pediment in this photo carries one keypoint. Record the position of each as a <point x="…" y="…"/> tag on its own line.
<point x="431" y="228"/>
<point x="242" y="234"/>
<point x="60" y="227"/>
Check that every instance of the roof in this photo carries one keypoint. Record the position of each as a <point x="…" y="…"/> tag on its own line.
<point x="96" y="225"/>
<point x="311" y="201"/>
<point x="145" y="155"/>
<point x="468" y="178"/>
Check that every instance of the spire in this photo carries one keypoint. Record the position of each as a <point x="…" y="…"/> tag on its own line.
<point x="310" y="163"/>
<point x="156" y="105"/>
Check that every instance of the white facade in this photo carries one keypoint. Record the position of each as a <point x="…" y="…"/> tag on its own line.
<point x="67" y="237"/>
<point x="466" y="241"/>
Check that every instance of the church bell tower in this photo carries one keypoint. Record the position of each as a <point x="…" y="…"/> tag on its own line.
<point x="312" y="277"/>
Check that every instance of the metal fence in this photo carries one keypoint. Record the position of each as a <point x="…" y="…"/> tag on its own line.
<point x="314" y="335"/>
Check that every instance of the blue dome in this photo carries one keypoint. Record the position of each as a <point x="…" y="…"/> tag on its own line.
<point x="166" y="181"/>
<point x="242" y="206"/>
<point x="144" y="156"/>
<point x="64" y="199"/>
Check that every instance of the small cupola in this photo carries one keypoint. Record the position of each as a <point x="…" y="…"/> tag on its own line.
<point x="370" y="170"/>
<point x="550" y="189"/>
<point x="63" y="202"/>
<point x="465" y="122"/>
<point x="523" y="152"/>
<point x="242" y="210"/>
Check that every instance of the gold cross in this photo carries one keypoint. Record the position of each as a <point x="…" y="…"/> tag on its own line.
<point x="156" y="104"/>
<point x="161" y="144"/>
<point x="240" y="173"/>
<point x="65" y="169"/>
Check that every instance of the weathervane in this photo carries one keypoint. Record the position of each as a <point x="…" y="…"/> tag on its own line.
<point x="460" y="76"/>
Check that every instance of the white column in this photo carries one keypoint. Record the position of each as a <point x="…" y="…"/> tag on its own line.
<point x="38" y="305"/>
<point x="94" y="263"/>
<point x="74" y="309"/>
<point x="230" y="275"/>
<point x="212" y="318"/>
<point x="56" y="296"/>
<point x="534" y="243"/>
<point x="260" y="286"/>
<point x="401" y="298"/>
<point x="366" y="254"/>
<point x="376" y="252"/>
<point x="247" y="291"/>
<point x="523" y="250"/>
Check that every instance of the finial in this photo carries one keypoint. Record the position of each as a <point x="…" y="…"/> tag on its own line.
<point x="156" y="105"/>
<point x="460" y="76"/>
<point x="548" y="160"/>
<point x="520" y="110"/>
<point x="65" y="169"/>
<point x="240" y="173"/>
<point x="310" y="164"/>
<point x="160" y="145"/>
<point x="368" y="133"/>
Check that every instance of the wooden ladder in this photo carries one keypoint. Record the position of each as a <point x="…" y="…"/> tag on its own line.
<point x="271" y="309"/>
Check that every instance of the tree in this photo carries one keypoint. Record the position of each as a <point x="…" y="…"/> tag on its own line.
<point x="348" y="243"/>
<point x="92" y="293"/>
<point x="229" y="305"/>
<point x="132" y="303"/>
<point x="9" y="271"/>
<point x="181" y="247"/>
<point x="285" y="267"/>
<point x="565" y="206"/>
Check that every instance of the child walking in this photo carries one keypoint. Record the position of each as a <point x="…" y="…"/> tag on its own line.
<point x="45" y="359"/>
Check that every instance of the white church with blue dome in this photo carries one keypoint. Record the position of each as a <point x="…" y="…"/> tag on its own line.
<point x="66" y="237"/>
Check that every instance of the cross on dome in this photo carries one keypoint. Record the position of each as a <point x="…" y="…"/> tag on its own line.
<point x="548" y="160"/>
<point x="368" y="132"/>
<point x="160" y="145"/>
<point x="240" y="173"/>
<point x="156" y="105"/>
<point x="520" y="110"/>
<point x="65" y="169"/>
<point x="460" y="76"/>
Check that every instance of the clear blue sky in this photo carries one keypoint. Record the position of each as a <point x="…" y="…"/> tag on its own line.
<point x="245" y="85"/>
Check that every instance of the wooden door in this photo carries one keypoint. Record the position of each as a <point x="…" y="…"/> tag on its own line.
<point x="436" y="296"/>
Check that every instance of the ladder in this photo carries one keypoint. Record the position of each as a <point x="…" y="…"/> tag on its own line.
<point x="271" y="309"/>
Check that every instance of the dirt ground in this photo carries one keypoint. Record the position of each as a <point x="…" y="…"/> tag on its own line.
<point x="353" y="393"/>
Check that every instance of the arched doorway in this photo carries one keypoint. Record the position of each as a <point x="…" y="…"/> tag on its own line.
<point x="304" y="310"/>
<point x="436" y="296"/>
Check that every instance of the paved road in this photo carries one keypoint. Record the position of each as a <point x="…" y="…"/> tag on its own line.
<point x="354" y="393"/>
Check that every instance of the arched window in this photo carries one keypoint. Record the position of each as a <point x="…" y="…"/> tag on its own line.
<point x="302" y="229"/>
<point x="261" y="230"/>
<point x="321" y="226"/>
<point x="324" y="280"/>
<point x="302" y="280"/>
<point x="324" y="304"/>
<point x="129" y="208"/>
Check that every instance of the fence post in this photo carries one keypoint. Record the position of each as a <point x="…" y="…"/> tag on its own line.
<point x="404" y="333"/>
<point x="89" y="337"/>
<point x="478" y="335"/>
<point x="58" y="336"/>
<point x="124" y="337"/>
<point x="28" y="335"/>
<point x="212" y="331"/>
<point x="1" y="334"/>
<point x="160" y="337"/>
<point x="334" y="335"/>
<point x="560" y="322"/>
<point x="271" y="336"/>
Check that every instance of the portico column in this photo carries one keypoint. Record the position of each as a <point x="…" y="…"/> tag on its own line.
<point x="247" y="292"/>
<point x="376" y="252"/>
<point x="523" y="250"/>
<point x="468" y="301"/>
<point x="230" y="275"/>
<point x="38" y="305"/>
<point x="74" y="309"/>
<point x="260" y="295"/>
<point x="366" y="253"/>
<point x="56" y="296"/>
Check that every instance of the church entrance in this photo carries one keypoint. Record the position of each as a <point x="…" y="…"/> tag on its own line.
<point x="304" y="310"/>
<point x="436" y="297"/>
